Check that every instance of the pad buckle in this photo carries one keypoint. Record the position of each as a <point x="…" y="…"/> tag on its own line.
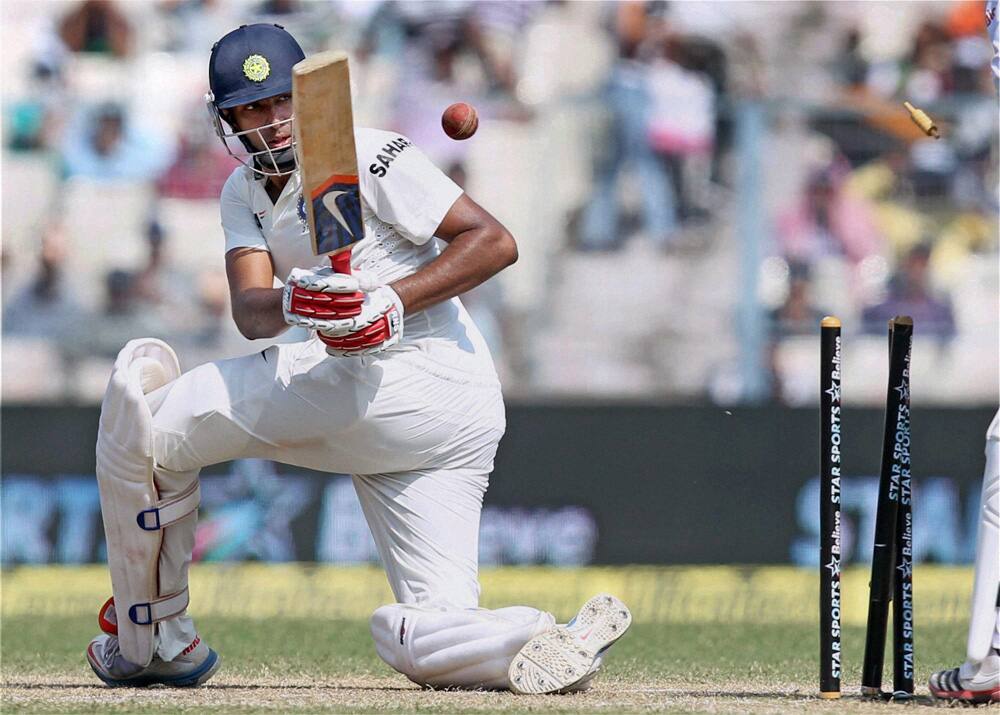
<point x="167" y="512"/>
<point x="146" y="609"/>
<point x="146" y="614"/>
<point x="143" y="523"/>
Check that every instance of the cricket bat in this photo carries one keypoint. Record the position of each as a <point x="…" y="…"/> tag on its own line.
<point x="324" y="136"/>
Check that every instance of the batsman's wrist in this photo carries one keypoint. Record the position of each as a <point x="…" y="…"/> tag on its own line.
<point x="399" y="293"/>
<point x="396" y="299"/>
<point x="286" y="305"/>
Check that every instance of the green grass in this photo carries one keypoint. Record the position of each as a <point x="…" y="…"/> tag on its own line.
<point x="293" y="664"/>
<point x="295" y="639"/>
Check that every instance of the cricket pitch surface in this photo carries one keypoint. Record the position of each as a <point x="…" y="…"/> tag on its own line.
<point x="294" y="639"/>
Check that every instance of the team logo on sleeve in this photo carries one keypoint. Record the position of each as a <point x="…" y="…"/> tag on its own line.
<point x="256" y="68"/>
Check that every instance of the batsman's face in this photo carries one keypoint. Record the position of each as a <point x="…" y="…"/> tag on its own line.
<point x="269" y="117"/>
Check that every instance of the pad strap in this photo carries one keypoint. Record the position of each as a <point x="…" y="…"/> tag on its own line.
<point x="168" y="511"/>
<point x="144" y="614"/>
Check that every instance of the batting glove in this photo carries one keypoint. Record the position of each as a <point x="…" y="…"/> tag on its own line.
<point x="317" y="295"/>
<point x="377" y="327"/>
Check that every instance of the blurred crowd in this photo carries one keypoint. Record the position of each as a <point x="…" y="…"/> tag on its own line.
<point x="889" y="221"/>
<point x="614" y="143"/>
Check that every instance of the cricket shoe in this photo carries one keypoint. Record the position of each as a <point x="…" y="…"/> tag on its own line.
<point x="195" y="664"/>
<point x="981" y="686"/>
<point x="566" y="657"/>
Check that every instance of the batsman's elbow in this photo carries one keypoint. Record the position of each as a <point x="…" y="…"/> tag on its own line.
<point x="246" y="326"/>
<point x="247" y="330"/>
<point x="505" y="249"/>
<point x="257" y="322"/>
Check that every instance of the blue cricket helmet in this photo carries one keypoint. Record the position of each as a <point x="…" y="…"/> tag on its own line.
<point x="251" y="63"/>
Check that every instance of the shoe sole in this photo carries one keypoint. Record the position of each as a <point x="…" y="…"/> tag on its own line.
<point x="971" y="697"/>
<point x="565" y="655"/>
<point x="186" y="680"/>
<point x="939" y="686"/>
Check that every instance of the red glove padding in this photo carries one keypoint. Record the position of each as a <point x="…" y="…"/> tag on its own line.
<point x="326" y="306"/>
<point x="321" y="294"/>
<point x="385" y="332"/>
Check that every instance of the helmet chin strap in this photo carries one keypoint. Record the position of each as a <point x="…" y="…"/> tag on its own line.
<point x="284" y="161"/>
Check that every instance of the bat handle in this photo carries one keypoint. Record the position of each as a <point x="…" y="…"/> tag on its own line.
<point x="341" y="262"/>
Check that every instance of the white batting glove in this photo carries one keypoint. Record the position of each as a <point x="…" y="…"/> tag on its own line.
<point x="379" y="326"/>
<point x="314" y="297"/>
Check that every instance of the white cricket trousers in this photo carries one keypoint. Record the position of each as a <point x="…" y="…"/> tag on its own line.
<point x="417" y="428"/>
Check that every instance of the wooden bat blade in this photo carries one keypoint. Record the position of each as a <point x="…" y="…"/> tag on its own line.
<point x="324" y="136"/>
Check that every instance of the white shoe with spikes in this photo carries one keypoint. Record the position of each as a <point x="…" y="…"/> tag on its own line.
<point x="566" y="656"/>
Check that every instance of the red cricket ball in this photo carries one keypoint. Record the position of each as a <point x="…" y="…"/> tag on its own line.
<point x="460" y="121"/>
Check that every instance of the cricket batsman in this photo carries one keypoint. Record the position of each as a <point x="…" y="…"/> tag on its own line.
<point x="395" y="387"/>
<point x="977" y="680"/>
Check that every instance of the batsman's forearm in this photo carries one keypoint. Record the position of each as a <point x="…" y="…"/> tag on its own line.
<point x="471" y="258"/>
<point x="258" y="314"/>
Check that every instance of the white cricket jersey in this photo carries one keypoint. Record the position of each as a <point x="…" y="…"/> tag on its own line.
<point x="404" y="198"/>
<point x="993" y="30"/>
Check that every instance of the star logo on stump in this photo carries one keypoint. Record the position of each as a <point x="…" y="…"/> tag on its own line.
<point x="834" y="566"/>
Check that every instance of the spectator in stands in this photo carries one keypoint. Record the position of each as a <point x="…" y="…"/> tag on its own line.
<point x="201" y="165"/>
<point x="33" y="117"/>
<point x="430" y="85"/>
<point x="121" y="320"/>
<point x="279" y="7"/>
<point x="796" y="315"/>
<point x="910" y="294"/>
<point x="5" y="266"/>
<point x="851" y="65"/>
<point x="121" y="293"/>
<point x="446" y="52"/>
<point x="317" y="25"/>
<point x="829" y="221"/>
<point x="213" y="310"/>
<point x="627" y="97"/>
<point x="97" y="26"/>
<point x="929" y="74"/>
<point x="26" y="126"/>
<point x="494" y="29"/>
<point x="163" y="289"/>
<point x="971" y="49"/>
<point x="682" y="122"/>
<point x="153" y="284"/>
<point x="44" y="308"/>
<point x="192" y="26"/>
<point x="105" y="146"/>
<point x="208" y="332"/>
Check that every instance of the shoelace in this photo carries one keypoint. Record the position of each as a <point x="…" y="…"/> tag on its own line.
<point x="110" y="652"/>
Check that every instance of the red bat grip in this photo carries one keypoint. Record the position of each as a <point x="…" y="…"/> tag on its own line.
<point x="341" y="262"/>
